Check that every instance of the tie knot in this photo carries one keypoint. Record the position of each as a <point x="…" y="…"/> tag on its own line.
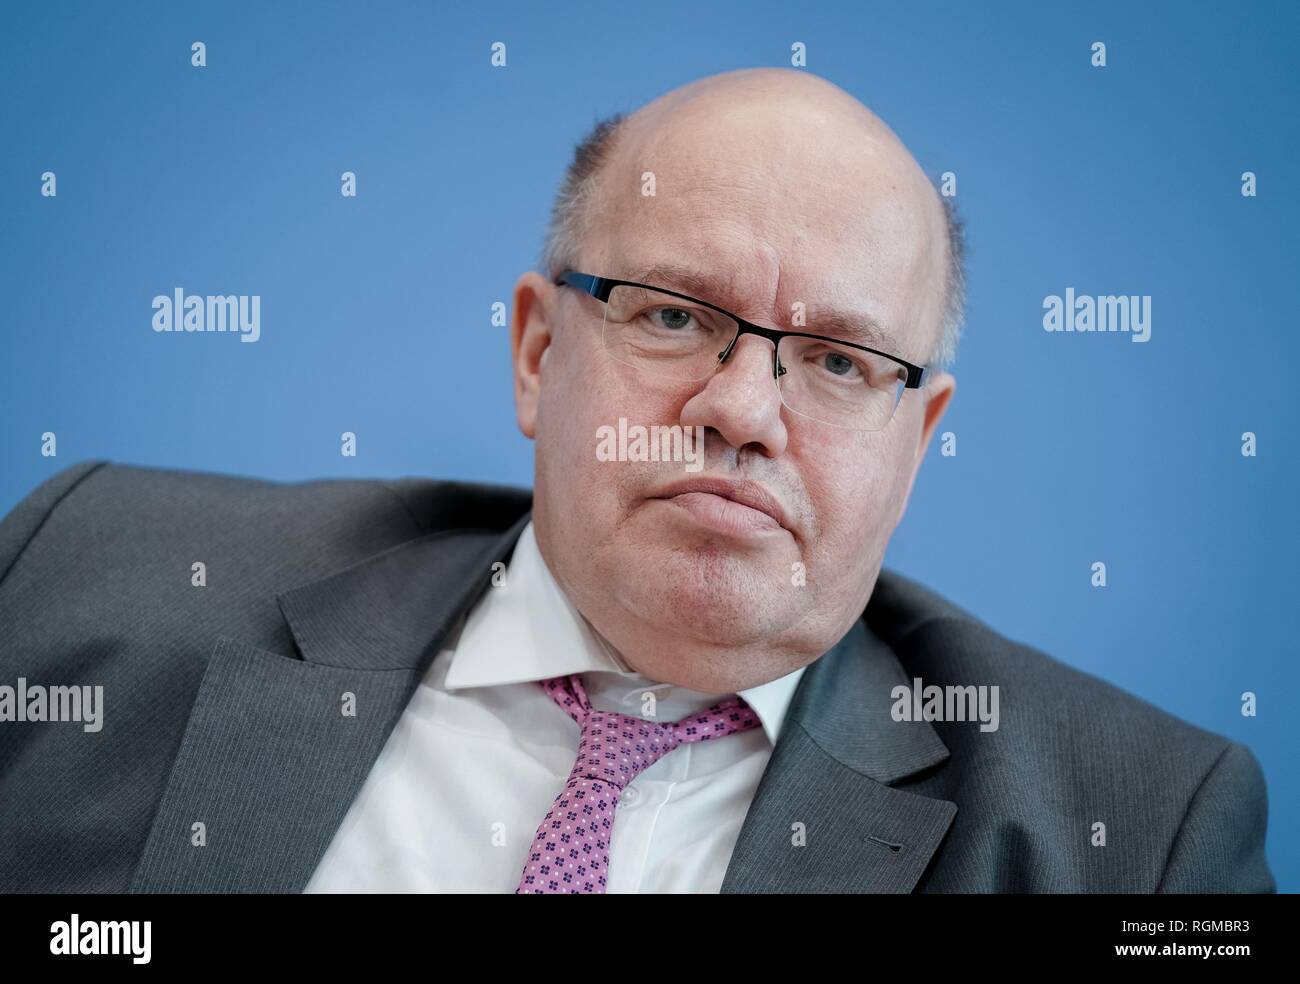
<point x="615" y="748"/>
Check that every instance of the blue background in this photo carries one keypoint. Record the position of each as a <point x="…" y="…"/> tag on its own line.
<point x="375" y="310"/>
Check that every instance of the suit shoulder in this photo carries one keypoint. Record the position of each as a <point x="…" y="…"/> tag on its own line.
<point x="105" y="520"/>
<point x="1042" y="699"/>
<point x="126" y="496"/>
<point x="21" y="524"/>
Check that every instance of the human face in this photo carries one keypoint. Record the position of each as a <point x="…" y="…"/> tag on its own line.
<point x="759" y="562"/>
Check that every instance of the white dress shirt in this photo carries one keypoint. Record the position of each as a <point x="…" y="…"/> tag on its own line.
<point x="481" y="751"/>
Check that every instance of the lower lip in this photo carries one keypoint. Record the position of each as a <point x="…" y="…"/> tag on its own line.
<point x="724" y="515"/>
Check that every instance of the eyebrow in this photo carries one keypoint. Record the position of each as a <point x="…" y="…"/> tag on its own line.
<point x="845" y="325"/>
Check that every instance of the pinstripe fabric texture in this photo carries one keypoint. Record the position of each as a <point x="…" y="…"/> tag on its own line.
<point x="227" y="759"/>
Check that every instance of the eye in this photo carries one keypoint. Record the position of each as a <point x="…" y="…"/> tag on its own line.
<point x="672" y="318"/>
<point x="840" y="365"/>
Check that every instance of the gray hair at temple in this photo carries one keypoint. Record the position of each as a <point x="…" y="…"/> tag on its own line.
<point x="578" y="189"/>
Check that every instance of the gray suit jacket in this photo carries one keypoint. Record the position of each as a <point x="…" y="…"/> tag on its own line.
<point x="221" y="706"/>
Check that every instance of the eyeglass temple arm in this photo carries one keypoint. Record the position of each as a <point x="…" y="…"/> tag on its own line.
<point x="595" y="286"/>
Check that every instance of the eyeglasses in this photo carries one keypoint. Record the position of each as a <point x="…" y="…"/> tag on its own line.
<point x="673" y="336"/>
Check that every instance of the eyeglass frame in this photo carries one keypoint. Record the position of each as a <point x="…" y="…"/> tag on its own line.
<point x="600" y="288"/>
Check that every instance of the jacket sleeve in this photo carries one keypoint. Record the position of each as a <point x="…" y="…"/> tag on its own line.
<point x="1220" y="845"/>
<point x="25" y="519"/>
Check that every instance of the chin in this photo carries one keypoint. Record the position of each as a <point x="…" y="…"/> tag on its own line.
<point x="712" y="595"/>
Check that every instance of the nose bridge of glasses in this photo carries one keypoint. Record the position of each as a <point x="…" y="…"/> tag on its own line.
<point x="771" y="336"/>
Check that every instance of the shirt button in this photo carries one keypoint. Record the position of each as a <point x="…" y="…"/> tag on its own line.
<point x="630" y="795"/>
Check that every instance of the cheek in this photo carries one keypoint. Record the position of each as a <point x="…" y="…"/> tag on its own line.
<point x="855" y="494"/>
<point x="567" y="421"/>
<point x="583" y="392"/>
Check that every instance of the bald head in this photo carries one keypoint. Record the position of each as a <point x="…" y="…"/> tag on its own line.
<point x="795" y="163"/>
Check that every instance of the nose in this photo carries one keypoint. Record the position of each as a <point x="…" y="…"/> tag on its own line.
<point x="741" y="400"/>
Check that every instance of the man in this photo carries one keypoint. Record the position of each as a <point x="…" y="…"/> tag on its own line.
<point x="677" y="666"/>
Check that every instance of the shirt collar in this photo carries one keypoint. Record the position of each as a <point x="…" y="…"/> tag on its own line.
<point x="526" y="629"/>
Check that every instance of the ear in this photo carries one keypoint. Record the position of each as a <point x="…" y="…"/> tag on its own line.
<point x="936" y="392"/>
<point x="530" y="339"/>
<point x="940" y="387"/>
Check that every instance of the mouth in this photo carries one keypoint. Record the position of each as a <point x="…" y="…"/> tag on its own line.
<point x="737" y="508"/>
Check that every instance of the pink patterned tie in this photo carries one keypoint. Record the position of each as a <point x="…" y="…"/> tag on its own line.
<point x="570" y="853"/>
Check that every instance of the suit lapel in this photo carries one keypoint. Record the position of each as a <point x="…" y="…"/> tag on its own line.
<point x="825" y="817"/>
<point x="270" y="763"/>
